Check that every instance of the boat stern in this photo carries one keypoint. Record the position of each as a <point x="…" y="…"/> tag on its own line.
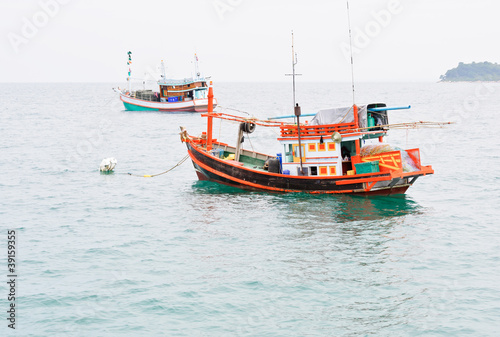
<point x="201" y="105"/>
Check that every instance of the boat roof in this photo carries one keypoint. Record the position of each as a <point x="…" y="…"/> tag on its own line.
<point x="339" y="115"/>
<point x="183" y="81"/>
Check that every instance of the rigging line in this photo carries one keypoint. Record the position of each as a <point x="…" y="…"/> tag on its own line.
<point x="220" y="128"/>
<point x="347" y="114"/>
<point x="276" y="132"/>
<point x="350" y="45"/>
<point x="253" y="120"/>
<point x="413" y="125"/>
<point x="223" y="107"/>
<point x="248" y="136"/>
<point x="159" y="174"/>
<point x="143" y="80"/>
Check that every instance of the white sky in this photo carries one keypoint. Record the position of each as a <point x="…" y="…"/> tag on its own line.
<point x="243" y="40"/>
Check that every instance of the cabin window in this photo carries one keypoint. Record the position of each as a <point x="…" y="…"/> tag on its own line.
<point x="333" y="170"/>
<point x="314" y="170"/>
<point x="331" y="146"/>
<point x="321" y="147"/>
<point x="288" y="150"/>
<point x="348" y="149"/>
<point x="296" y="154"/>
<point x="323" y="171"/>
<point x="165" y="92"/>
<point x="311" y="147"/>
<point x="200" y="94"/>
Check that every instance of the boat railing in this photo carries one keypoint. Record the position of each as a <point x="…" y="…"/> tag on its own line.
<point x="315" y="130"/>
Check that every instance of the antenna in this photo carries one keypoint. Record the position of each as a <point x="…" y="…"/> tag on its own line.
<point x="294" y="62"/>
<point x="296" y="106"/>
<point x="350" y="45"/>
<point x="163" y="73"/>
<point x="196" y="68"/>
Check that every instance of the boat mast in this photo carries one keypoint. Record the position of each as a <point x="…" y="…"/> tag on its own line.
<point x="296" y="106"/>
<point x="196" y="68"/>
<point x="350" y="45"/>
<point x="297" y="114"/>
<point x="210" y="116"/>
<point x="354" y="106"/>
<point x="129" y="62"/>
<point x="294" y="62"/>
<point x="163" y="72"/>
<point x="293" y="74"/>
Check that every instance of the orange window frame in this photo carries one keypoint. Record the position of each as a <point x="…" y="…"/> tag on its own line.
<point x="296" y="157"/>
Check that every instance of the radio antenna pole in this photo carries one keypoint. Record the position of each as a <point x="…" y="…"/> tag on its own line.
<point x="350" y="45"/>
<point x="293" y="74"/>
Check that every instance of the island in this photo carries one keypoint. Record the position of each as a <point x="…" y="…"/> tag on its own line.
<point x="482" y="71"/>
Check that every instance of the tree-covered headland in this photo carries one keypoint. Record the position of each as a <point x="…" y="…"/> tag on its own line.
<point x="482" y="71"/>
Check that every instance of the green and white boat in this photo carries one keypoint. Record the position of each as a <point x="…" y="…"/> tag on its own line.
<point x="188" y="94"/>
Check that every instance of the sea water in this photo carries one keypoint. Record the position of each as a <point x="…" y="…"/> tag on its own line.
<point x="120" y="255"/>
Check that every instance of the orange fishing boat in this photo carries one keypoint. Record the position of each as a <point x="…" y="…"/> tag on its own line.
<point x="323" y="156"/>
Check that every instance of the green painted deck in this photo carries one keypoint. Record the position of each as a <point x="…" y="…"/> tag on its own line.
<point x="252" y="163"/>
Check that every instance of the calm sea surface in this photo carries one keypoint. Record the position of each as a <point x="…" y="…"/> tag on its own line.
<point x="117" y="255"/>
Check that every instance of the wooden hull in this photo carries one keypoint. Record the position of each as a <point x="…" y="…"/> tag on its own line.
<point x="211" y="168"/>
<point x="135" y="104"/>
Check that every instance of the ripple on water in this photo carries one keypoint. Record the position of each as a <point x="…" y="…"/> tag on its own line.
<point x="116" y="255"/>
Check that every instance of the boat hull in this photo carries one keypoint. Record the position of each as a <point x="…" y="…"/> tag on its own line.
<point x="135" y="104"/>
<point x="211" y="168"/>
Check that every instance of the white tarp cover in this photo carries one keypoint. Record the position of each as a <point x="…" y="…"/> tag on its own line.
<point x="339" y="115"/>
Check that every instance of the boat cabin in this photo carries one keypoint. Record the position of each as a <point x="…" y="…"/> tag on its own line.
<point x="330" y="140"/>
<point x="183" y="90"/>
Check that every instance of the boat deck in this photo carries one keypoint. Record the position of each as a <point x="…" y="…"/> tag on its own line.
<point x="253" y="166"/>
<point x="251" y="163"/>
<point x="248" y="159"/>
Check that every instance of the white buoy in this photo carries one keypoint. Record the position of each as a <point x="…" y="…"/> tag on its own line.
<point x="107" y="164"/>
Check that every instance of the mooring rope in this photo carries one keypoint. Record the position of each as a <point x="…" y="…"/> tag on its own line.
<point x="159" y="174"/>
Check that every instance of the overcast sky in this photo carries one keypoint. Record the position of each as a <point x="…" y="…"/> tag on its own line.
<point x="243" y="40"/>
